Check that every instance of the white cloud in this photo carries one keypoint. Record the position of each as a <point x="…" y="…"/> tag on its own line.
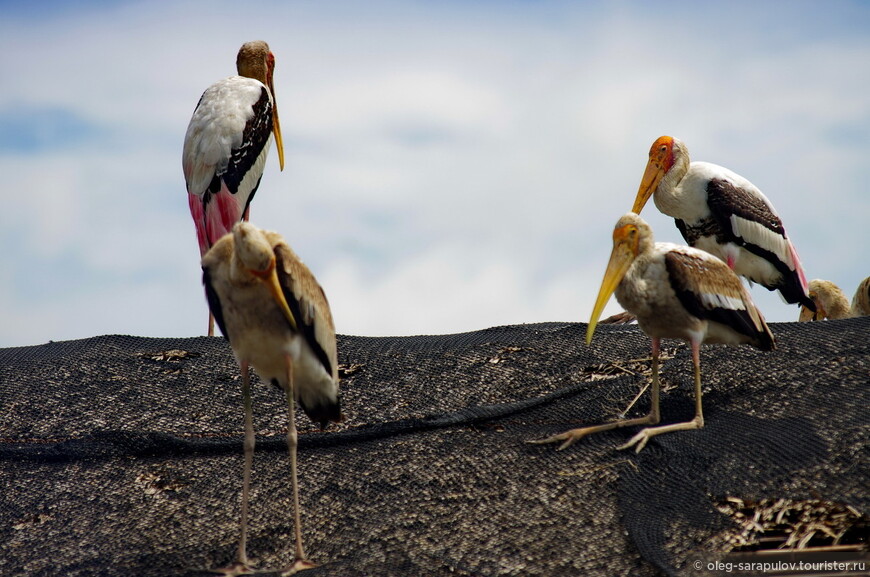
<point x="463" y="164"/>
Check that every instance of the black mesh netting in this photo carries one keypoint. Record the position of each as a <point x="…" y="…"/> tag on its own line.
<point x="123" y="456"/>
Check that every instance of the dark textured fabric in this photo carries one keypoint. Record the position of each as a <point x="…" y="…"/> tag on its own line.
<point x="123" y="456"/>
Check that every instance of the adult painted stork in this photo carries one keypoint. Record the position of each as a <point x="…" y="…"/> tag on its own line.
<point x="724" y="214"/>
<point x="277" y="319"/>
<point x="227" y="143"/>
<point x="831" y="302"/>
<point x="674" y="292"/>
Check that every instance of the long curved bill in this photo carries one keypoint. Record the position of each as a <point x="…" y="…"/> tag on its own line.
<point x="620" y="260"/>
<point x="270" y="277"/>
<point x="276" y="125"/>
<point x="652" y="176"/>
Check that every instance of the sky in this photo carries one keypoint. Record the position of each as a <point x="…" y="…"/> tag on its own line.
<point x="450" y="166"/>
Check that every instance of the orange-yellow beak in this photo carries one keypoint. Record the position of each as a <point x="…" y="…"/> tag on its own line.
<point x="652" y="176"/>
<point x="270" y="277"/>
<point x="276" y="124"/>
<point x="623" y="254"/>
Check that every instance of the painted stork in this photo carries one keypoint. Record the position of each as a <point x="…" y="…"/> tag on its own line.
<point x="724" y="214"/>
<point x="674" y="292"/>
<point x="831" y="302"/>
<point x="227" y="143"/>
<point x="276" y="317"/>
<point x="861" y="300"/>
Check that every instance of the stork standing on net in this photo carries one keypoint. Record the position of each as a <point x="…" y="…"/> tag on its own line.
<point x="721" y="212"/>
<point x="277" y="319"/>
<point x="674" y="292"/>
<point x="226" y="146"/>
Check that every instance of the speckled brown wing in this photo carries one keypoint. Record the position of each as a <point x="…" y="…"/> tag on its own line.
<point x="709" y="290"/>
<point x="307" y="302"/>
<point x="861" y="300"/>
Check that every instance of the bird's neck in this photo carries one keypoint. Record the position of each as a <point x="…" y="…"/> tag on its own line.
<point x="837" y="307"/>
<point x="671" y="197"/>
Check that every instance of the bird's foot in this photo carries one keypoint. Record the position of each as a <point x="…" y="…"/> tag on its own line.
<point x="645" y="435"/>
<point x="298" y="565"/>
<point x="567" y="438"/>
<point x="639" y="439"/>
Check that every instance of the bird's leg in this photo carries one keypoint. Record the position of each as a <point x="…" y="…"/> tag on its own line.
<point x="249" y="460"/>
<point x="568" y="438"/>
<point x="210" y="324"/>
<point x="241" y="565"/>
<point x="300" y="562"/>
<point x="622" y="318"/>
<point x="645" y="435"/>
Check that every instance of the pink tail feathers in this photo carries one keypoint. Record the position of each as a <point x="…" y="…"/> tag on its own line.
<point x="799" y="269"/>
<point x="214" y="215"/>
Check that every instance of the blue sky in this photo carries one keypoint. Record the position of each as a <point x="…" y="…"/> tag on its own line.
<point x="450" y="165"/>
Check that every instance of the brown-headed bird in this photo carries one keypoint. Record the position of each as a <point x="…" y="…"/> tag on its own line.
<point x="226" y="145"/>
<point x="277" y="319"/>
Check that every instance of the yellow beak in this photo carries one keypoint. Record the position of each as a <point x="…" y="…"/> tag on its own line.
<point x="620" y="260"/>
<point x="648" y="185"/>
<point x="276" y="125"/>
<point x="270" y="277"/>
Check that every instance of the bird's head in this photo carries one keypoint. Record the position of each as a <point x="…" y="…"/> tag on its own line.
<point x="630" y="237"/>
<point x="255" y="60"/>
<point x="827" y="297"/>
<point x="662" y="156"/>
<point x="257" y="258"/>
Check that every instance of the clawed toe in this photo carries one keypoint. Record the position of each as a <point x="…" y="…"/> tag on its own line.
<point x="639" y="439"/>
<point x="567" y="438"/>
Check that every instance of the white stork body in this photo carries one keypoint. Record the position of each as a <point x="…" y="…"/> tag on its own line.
<point x="674" y="292"/>
<point x="720" y="212"/>
<point x="276" y="318"/>
<point x="226" y="145"/>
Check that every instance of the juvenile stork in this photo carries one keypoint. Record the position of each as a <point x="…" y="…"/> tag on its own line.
<point x="861" y="300"/>
<point x="831" y="302"/>
<point x="277" y="319"/>
<point x="724" y="214"/>
<point x="674" y="292"/>
<point x="227" y="143"/>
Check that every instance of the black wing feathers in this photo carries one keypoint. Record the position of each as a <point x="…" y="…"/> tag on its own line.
<point x="214" y="303"/>
<point x="305" y="328"/>
<point x="725" y="199"/>
<point x="257" y="132"/>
